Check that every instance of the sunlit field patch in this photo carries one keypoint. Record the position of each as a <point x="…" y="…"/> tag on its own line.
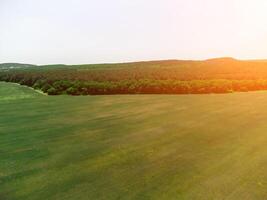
<point x="9" y="92"/>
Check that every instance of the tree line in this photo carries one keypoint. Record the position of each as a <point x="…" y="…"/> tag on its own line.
<point x="132" y="86"/>
<point x="157" y="77"/>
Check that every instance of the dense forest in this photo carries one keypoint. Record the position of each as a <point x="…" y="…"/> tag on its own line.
<point x="221" y="75"/>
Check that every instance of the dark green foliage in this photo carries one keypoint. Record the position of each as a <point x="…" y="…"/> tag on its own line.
<point x="71" y="91"/>
<point x="52" y="91"/>
<point x="46" y="87"/>
<point x="158" y="77"/>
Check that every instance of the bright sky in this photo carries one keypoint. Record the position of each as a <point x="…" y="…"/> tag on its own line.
<point x="95" y="31"/>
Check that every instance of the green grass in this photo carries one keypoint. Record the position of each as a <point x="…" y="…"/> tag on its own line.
<point x="11" y="91"/>
<point x="132" y="147"/>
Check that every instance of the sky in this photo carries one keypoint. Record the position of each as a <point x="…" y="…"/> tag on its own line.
<point x="104" y="31"/>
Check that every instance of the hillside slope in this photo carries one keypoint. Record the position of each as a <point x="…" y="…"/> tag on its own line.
<point x="15" y="65"/>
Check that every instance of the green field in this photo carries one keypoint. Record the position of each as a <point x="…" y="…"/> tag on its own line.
<point x="181" y="147"/>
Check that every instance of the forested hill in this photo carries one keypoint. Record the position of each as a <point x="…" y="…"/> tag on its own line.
<point x="219" y="75"/>
<point x="15" y="65"/>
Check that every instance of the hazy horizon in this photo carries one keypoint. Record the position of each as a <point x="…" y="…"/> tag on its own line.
<point x="82" y="32"/>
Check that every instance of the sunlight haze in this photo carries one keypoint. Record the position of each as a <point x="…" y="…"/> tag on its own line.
<point x="97" y="31"/>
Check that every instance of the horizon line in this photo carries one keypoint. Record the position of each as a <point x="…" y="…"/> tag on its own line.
<point x="140" y="61"/>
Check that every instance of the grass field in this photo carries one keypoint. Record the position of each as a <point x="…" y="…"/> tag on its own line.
<point x="185" y="147"/>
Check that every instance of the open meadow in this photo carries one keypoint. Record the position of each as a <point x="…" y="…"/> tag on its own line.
<point x="180" y="147"/>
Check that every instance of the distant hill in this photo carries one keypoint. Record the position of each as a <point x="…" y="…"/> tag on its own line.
<point x="15" y="65"/>
<point x="215" y="62"/>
